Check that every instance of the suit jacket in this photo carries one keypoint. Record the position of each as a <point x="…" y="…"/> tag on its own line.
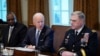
<point x="17" y="35"/>
<point x="45" y="41"/>
<point x="74" y="43"/>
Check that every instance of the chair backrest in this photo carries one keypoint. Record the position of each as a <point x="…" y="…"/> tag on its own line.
<point x="2" y="26"/>
<point x="98" y="53"/>
<point x="59" y="32"/>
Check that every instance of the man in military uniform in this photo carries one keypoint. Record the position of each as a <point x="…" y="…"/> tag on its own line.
<point x="79" y="40"/>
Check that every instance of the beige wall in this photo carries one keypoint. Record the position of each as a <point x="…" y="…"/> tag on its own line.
<point x="24" y="6"/>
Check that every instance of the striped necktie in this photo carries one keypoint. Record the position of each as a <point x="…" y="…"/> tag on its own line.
<point x="37" y="37"/>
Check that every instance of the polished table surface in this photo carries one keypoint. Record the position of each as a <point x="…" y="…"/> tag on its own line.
<point x="25" y="53"/>
<point x="18" y="51"/>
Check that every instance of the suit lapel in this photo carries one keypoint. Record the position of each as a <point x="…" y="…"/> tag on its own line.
<point x="42" y="35"/>
<point x="33" y="36"/>
<point x="12" y="35"/>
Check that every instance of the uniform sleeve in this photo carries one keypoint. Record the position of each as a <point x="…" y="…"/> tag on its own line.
<point x="62" y="47"/>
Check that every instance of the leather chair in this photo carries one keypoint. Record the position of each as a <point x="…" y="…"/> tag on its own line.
<point x="59" y="33"/>
<point x="98" y="52"/>
<point x="2" y="26"/>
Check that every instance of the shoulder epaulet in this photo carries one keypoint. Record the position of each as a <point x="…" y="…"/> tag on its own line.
<point x="94" y="31"/>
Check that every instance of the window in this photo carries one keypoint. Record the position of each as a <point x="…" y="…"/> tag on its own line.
<point x="3" y="9"/>
<point x="60" y="11"/>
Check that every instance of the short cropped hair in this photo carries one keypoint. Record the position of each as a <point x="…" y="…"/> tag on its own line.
<point x="13" y="15"/>
<point x="79" y="13"/>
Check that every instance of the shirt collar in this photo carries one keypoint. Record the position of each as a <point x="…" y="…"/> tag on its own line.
<point x="38" y="30"/>
<point x="79" y="30"/>
<point x="11" y="26"/>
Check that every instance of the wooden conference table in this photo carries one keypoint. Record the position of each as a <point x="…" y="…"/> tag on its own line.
<point x="28" y="52"/>
<point x="25" y="53"/>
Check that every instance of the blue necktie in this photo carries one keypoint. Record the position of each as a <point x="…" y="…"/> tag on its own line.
<point x="37" y="37"/>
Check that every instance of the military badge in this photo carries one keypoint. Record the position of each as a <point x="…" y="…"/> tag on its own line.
<point x="66" y="40"/>
<point x="84" y="40"/>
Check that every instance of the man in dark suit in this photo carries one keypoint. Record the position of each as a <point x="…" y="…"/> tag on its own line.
<point x="14" y="33"/>
<point x="79" y="40"/>
<point x="40" y="36"/>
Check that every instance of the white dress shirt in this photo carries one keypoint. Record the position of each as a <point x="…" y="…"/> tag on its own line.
<point x="79" y="30"/>
<point x="10" y="31"/>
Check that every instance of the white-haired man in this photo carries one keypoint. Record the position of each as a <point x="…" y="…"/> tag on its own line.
<point x="40" y="36"/>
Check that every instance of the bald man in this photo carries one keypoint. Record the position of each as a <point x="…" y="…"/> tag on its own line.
<point x="14" y="33"/>
<point x="40" y="36"/>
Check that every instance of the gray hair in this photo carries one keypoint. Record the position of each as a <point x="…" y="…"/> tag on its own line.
<point x="79" y="13"/>
<point x="13" y="15"/>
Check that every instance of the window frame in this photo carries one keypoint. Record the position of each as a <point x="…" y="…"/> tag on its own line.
<point x="51" y="11"/>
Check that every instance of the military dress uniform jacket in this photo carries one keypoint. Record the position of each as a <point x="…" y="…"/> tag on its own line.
<point x="74" y="43"/>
